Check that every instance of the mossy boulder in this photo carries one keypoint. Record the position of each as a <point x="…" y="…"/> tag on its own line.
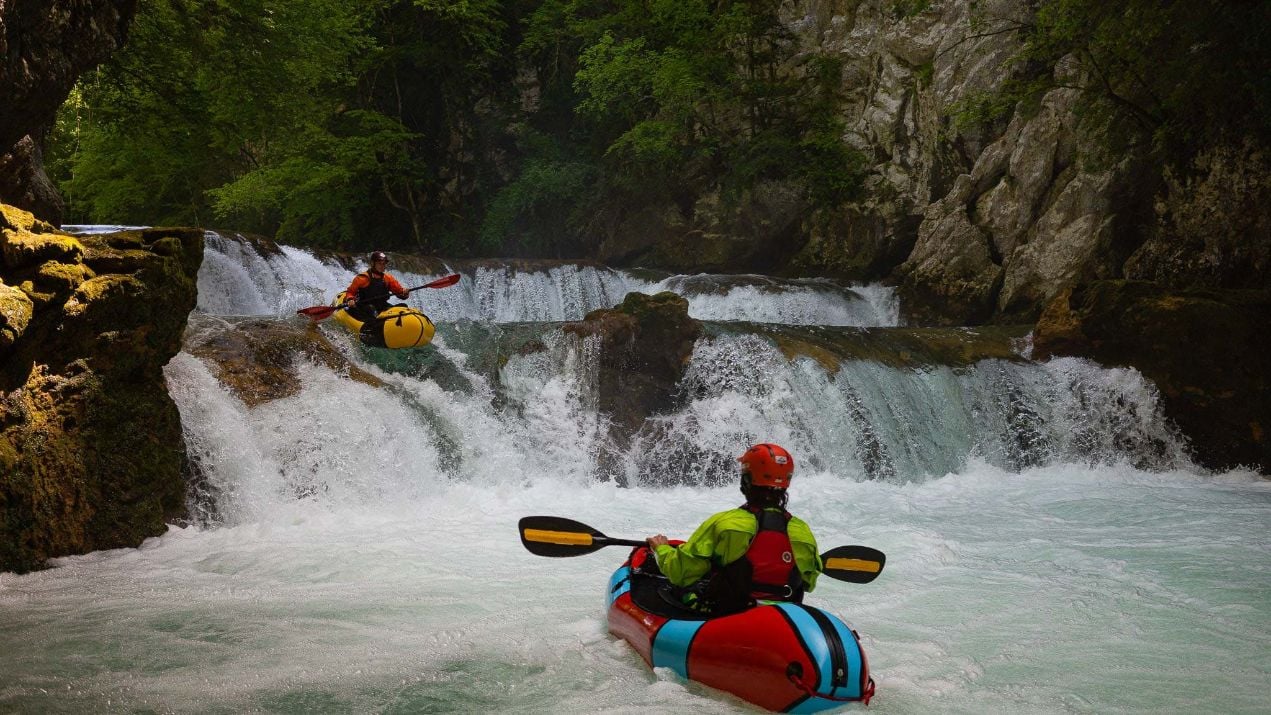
<point x="1209" y="352"/>
<point x="257" y="359"/>
<point x="91" y="451"/>
<point x="16" y="310"/>
<point x="644" y="345"/>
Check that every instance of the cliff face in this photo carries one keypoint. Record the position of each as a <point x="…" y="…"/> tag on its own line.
<point x="989" y="224"/>
<point x="44" y="48"/>
<point x="91" y="451"/>
<point x="1209" y="352"/>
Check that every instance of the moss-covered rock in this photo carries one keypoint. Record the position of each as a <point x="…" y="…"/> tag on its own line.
<point x="91" y="452"/>
<point x="257" y="360"/>
<point x="22" y="248"/>
<point x="906" y="348"/>
<point x="645" y="344"/>
<point x="16" y="310"/>
<point x="1209" y="352"/>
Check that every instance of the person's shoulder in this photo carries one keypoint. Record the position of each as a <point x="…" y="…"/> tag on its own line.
<point x="799" y="527"/>
<point x="733" y="518"/>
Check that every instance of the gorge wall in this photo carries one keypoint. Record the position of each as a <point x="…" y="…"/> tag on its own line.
<point x="91" y="450"/>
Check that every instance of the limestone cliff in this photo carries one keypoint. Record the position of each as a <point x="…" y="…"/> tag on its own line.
<point x="989" y="223"/>
<point x="91" y="452"/>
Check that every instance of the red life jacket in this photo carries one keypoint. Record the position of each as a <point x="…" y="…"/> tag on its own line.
<point x="774" y="573"/>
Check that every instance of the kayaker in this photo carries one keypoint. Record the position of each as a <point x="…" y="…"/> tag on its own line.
<point x="367" y="296"/>
<point x="756" y="551"/>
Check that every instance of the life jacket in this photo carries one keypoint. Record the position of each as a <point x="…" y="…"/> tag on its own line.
<point x="774" y="574"/>
<point x="767" y="570"/>
<point x="375" y="293"/>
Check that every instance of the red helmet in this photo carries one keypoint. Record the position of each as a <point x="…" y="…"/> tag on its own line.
<point x="379" y="256"/>
<point x="768" y="465"/>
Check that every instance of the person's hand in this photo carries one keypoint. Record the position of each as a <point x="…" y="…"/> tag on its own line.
<point x="656" y="541"/>
<point x="350" y="302"/>
<point x="403" y="295"/>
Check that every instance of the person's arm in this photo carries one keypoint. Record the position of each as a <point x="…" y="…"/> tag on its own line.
<point x="720" y="538"/>
<point x="350" y="293"/>
<point x="392" y="284"/>
<point x="806" y="553"/>
<point x="691" y="560"/>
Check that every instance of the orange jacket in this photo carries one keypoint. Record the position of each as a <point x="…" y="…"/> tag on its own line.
<point x="363" y="280"/>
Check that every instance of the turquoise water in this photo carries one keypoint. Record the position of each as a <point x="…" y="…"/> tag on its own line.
<point x="1061" y="589"/>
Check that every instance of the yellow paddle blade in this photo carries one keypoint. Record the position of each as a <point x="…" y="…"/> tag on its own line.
<point x="564" y="538"/>
<point x="558" y="536"/>
<point x="854" y="565"/>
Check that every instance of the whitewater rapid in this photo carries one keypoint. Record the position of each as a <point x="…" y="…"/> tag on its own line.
<point x="1059" y="589"/>
<point x="1050" y="548"/>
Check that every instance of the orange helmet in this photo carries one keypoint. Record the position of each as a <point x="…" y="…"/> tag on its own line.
<point x="768" y="465"/>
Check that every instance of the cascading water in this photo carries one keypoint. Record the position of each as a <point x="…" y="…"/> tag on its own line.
<point x="353" y="546"/>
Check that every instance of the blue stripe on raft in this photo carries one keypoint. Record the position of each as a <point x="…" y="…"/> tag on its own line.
<point x="670" y="645"/>
<point x="814" y="637"/>
<point x="810" y="633"/>
<point x="619" y="583"/>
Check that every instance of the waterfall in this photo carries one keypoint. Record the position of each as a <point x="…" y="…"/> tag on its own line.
<point x="352" y="543"/>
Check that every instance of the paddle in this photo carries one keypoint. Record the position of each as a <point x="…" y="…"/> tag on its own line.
<point x="854" y="564"/>
<point x="322" y="312"/>
<point x="557" y="536"/>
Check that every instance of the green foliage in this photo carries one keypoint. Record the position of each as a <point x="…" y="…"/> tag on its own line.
<point x="688" y="95"/>
<point x="479" y="126"/>
<point x="542" y="205"/>
<point x="902" y="9"/>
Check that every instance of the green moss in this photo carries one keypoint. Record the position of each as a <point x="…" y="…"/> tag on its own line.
<point x="16" y="310"/>
<point x="22" y="249"/>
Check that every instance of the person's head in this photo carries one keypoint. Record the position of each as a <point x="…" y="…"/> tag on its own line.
<point x="379" y="261"/>
<point x="765" y="475"/>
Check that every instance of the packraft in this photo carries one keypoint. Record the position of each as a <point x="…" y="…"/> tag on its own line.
<point x="400" y="326"/>
<point x="786" y="657"/>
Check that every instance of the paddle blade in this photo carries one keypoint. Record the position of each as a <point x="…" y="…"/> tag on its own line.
<point x="556" y="536"/>
<point x="319" y="312"/>
<point x="449" y="280"/>
<point x="856" y="564"/>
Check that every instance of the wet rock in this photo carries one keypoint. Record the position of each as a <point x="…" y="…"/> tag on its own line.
<point x="952" y="277"/>
<point x="1209" y="353"/>
<point x="644" y="345"/>
<point x="260" y="360"/>
<point x="44" y="47"/>
<point x="1212" y="224"/>
<point x="91" y="450"/>
<point x="907" y="348"/>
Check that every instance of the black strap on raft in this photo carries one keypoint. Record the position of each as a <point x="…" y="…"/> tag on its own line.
<point x="796" y="676"/>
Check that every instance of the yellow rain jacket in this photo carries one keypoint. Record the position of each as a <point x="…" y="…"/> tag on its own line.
<point x="724" y="538"/>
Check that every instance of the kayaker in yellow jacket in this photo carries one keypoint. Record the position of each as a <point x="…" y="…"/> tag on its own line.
<point x="757" y="551"/>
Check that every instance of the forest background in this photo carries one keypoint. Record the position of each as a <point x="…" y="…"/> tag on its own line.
<point x="520" y="127"/>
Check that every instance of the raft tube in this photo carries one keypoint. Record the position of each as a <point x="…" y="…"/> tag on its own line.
<point x="401" y="326"/>
<point x="786" y="657"/>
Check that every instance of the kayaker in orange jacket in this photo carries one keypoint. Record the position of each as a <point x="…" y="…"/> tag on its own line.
<point x="757" y="551"/>
<point x="367" y="296"/>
